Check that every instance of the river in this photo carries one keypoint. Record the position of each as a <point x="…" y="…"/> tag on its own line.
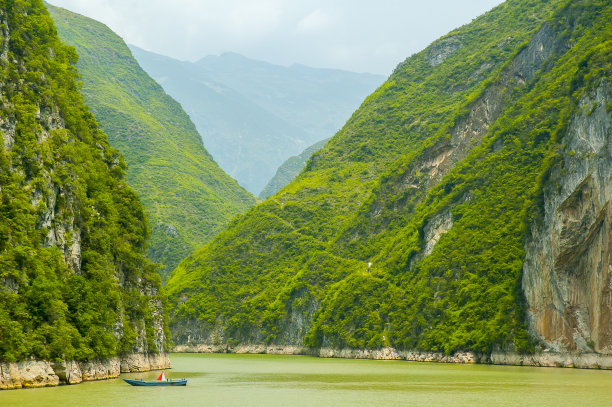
<point x="269" y="380"/>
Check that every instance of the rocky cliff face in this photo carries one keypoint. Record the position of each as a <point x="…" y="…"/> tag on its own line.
<point x="436" y="161"/>
<point x="42" y="373"/>
<point x="567" y="276"/>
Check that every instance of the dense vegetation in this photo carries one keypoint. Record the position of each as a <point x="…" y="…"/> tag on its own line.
<point x="189" y="199"/>
<point x="74" y="280"/>
<point x="343" y="246"/>
<point x="254" y="115"/>
<point x="290" y="169"/>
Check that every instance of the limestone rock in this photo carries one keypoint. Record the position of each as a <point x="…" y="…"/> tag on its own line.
<point x="567" y="274"/>
<point x="31" y="373"/>
<point x="41" y="373"/>
<point x="442" y="49"/>
<point x="68" y="372"/>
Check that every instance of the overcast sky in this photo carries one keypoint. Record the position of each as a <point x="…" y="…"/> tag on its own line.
<point x="356" y="35"/>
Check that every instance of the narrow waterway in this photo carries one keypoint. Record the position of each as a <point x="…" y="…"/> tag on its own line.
<point x="268" y="380"/>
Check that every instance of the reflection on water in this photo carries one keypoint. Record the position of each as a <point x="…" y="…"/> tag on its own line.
<point x="266" y="380"/>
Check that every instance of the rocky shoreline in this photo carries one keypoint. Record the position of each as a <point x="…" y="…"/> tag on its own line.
<point x="543" y="359"/>
<point x="43" y="373"/>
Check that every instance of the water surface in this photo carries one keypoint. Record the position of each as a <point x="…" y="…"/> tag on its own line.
<point x="268" y="380"/>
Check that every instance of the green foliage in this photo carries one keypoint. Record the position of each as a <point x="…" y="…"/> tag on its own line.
<point x="60" y="184"/>
<point x="372" y="196"/>
<point x="290" y="169"/>
<point x="189" y="199"/>
<point x="356" y="313"/>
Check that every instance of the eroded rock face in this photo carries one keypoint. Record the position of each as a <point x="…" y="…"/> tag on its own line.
<point x="541" y="359"/>
<point x="567" y="275"/>
<point x="68" y="372"/>
<point x="64" y="231"/>
<point x="139" y="362"/>
<point x="41" y="373"/>
<point x="442" y="50"/>
<point x="433" y="231"/>
<point x="470" y="130"/>
<point x="34" y="373"/>
<point x="540" y="48"/>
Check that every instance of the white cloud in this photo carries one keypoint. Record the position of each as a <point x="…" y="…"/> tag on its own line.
<point x="356" y="35"/>
<point x="314" y="21"/>
<point x="258" y="18"/>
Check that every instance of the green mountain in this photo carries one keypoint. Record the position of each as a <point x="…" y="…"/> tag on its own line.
<point x="253" y="115"/>
<point x="189" y="199"/>
<point x="290" y="169"/>
<point x="462" y="207"/>
<point x="75" y="284"/>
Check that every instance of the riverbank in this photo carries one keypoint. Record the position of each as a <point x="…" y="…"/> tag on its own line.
<point x="543" y="359"/>
<point x="43" y="373"/>
<point x="230" y="380"/>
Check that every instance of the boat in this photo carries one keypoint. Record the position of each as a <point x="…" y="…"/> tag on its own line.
<point x="161" y="381"/>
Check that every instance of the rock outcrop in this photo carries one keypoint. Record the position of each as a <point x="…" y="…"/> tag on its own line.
<point x="40" y="373"/>
<point x="540" y="359"/>
<point x="442" y="49"/>
<point x="567" y="275"/>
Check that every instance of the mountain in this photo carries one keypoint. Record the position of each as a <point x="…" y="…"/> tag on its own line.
<point x="188" y="198"/>
<point x="253" y="115"/>
<point x="290" y="169"/>
<point x="78" y="298"/>
<point x="465" y="206"/>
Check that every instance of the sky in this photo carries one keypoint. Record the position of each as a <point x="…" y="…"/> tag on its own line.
<point x="356" y="35"/>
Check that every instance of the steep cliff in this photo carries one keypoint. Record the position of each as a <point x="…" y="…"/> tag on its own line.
<point x="454" y="212"/>
<point x="188" y="198"/>
<point x="567" y="275"/>
<point x="78" y="298"/>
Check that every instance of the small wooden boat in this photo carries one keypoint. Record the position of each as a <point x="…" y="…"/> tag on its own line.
<point x="161" y="381"/>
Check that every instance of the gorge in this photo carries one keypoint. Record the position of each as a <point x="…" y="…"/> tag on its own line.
<point x="462" y="214"/>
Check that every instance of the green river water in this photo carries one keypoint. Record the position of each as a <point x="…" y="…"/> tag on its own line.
<point x="268" y="380"/>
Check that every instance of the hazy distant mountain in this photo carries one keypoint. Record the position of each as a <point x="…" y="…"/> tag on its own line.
<point x="253" y="115"/>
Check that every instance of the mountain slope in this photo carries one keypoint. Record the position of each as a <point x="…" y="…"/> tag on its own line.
<point x="189" y="199"/>
<point x="290" y="169"/>
<point x="78" y="298"/>
<point x="253" y="115"/>
<point x="410" y="228"/>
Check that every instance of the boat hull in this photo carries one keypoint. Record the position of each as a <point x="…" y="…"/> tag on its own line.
<point x="140" y="382"/>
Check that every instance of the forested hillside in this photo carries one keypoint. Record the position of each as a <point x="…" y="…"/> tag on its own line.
<point x="188" y="198"/>
<point x="75" y="284"/>
<point x="409" y="228"/>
